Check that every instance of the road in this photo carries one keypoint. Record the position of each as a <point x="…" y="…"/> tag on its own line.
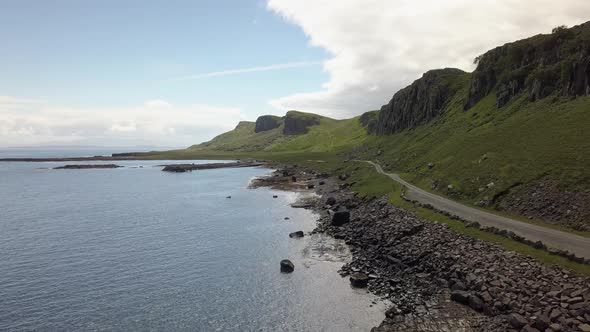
<point x="574" y="243"/>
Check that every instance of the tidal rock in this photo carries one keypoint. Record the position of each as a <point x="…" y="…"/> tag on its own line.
<point x="287" y="266"/>
<point x="359" y="280"/>
<point x="297" y="234"/>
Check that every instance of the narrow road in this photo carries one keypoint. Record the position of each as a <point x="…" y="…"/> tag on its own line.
<point x="576" y="244"/>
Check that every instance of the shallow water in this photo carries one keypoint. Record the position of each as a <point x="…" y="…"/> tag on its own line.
<point x="141" y="249"/>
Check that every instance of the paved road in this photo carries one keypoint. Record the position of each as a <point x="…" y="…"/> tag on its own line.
<point x="576" y="244"/>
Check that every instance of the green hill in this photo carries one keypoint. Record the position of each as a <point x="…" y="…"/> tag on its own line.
<point x="513" y="135"/>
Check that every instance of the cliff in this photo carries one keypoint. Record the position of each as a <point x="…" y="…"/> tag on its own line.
<point x="418" y="103"/>
<point x="538" y="66"/>
<point x="297" y="123"/>
<point x="266" y="123"/>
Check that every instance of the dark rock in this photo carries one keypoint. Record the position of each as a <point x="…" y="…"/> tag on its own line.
<point x="460" y="296"/>
<point x="418" y="103"/>
<point x="559" y="62"/>
<point x="228" y="197"/>
<point x="359" y="280"/>
<point x="293" y="179"/>
<point x="275" y="196"/>
<point x="517" y="321"/>
<point x="339" y="217"/>
<point x="369" y="120"/>
<point x="330" y="201"/>
<point x="297" y="234"/>
<point x="287" y="266"/>
<point x="267" y="122"/>
<point x="542" y="322"/>
<point x="88" y="166"/>
<point x="468" y="299"/>
<point x="297" y="123"/>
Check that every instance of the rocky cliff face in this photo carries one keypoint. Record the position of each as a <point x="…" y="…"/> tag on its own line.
<point x="297" y="123"/>
<point x="267" y="122"/>
<point x="418" y="103"/>
<point x="369" y="120"/>
<point x="537" y="66"/>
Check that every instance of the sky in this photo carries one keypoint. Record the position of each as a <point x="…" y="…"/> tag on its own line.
<point x="175" y="73"/>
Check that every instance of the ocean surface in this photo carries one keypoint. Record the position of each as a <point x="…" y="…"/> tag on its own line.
<point x="136" y="248"/>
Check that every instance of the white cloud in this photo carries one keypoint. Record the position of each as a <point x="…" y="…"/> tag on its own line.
<point x="279" y="66"/>
<point x="155" y="122"/>
<point x="380" y="46"/>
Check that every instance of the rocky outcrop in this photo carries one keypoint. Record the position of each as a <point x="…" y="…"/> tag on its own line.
<point x="266" y="123"/>
<point x="539" y="66"/>
<point x="297" y="123"/>
<point x="418" y="103"/>
<point x="369" y="120"/>
<point x="88" y="166"/>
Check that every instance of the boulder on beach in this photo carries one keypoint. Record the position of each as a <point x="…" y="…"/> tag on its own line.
<point x="287" y="266"/>
<point x="359" y="280"/>
<point x="330" y="201"/>
<point x="275" y="196"/>
<point x="468" y="299"/>
<point x="297" y="234"/>
<point x="339" y="217"/>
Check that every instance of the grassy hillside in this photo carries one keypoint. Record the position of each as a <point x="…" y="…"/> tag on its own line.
<point x="521" y="145"/>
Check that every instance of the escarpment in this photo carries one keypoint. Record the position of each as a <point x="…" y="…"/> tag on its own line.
<point x="266" y="123"/>
<point x="297" y="123"/>
<point x="538" y="67"/>
<point x="418" y="103"/>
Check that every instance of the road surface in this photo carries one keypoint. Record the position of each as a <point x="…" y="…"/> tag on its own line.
<point x="573" y="243"/>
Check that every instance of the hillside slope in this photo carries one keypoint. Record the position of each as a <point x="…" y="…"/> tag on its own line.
<point x="513" y="135"/>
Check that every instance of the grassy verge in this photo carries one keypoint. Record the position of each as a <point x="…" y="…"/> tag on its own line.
<point x="369" y="183"/>
<point x="533" y="221"/>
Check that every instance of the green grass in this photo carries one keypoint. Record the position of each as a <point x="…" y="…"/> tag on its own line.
<point x="520" y="143"/>
<point x="370" y="183"/>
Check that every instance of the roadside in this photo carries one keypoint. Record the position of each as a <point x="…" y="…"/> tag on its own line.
<point x="573" y="243"/>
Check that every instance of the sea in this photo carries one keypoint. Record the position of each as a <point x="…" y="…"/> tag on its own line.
<point x="138" y="249"/>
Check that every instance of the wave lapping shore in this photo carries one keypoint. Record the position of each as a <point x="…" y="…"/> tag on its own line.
<point x="438" y="279"/>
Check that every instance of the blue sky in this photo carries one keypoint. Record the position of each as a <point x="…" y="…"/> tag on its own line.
<point x="99" y="53"/>
<point x="176" y="73"/>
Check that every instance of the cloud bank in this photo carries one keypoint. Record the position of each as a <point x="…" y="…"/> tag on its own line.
<point x="380" y="46"/>
<point x="25" y="122"/>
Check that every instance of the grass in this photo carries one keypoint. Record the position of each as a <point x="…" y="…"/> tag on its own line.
<point x="370" y="183"/>
<point x="521" y="143"/>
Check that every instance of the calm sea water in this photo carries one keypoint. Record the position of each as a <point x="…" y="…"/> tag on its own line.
<point x="141" y="249"/>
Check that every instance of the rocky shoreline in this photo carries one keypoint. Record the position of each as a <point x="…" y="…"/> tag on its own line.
<point x="435" y="278"/>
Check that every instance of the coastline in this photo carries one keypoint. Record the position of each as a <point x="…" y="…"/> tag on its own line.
<point x="437" y="279"/>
